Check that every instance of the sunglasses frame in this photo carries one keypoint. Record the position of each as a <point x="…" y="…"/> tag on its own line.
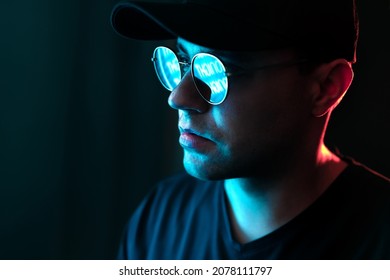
<point x="228" y="74"/>
<point x="191" y="64"/>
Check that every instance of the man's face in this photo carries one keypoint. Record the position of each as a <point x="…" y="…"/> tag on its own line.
<point x="262" y="124"/>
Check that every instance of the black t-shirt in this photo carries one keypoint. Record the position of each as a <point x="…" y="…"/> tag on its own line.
<point x="186" y="218"/>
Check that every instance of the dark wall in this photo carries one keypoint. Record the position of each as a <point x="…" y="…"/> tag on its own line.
<point x="85" y="129"/>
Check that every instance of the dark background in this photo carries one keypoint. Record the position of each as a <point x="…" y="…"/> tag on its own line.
<point x="85" y="129"/>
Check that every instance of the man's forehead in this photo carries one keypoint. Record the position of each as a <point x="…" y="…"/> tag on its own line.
<point x="191" y="49"/>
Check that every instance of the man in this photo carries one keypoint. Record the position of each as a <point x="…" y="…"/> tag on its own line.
<point x="254" y="84"/>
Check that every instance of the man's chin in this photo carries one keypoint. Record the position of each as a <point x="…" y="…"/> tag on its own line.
<point x="202" y="172"/>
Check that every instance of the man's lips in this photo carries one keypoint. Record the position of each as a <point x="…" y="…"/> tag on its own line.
<point x="192" y="139"/>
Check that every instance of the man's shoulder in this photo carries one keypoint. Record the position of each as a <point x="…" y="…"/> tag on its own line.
<point x="363" y="175"/>
<point x="366" y="185"/>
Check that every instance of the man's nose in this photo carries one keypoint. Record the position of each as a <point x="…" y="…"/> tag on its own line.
<point x="186" y="96"/>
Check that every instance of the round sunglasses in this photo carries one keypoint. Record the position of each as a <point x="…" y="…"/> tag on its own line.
<point x="208" y="73"/>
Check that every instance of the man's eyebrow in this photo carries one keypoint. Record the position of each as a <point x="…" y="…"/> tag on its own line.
<point x="229" y="58"/>
<point x="228" y="62"/>
<point x="180" y="48"/>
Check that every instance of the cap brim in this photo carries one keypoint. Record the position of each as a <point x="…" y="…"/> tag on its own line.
<point x="193" y="22"/>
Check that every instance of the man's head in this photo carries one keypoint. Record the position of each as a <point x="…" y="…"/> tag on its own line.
<point x="272" y="116"/>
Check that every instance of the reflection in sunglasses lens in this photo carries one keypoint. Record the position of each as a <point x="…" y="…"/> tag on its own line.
<point x="208" y="73"/>
<point x="167" y="67"/>
<point x="210" y="77"/>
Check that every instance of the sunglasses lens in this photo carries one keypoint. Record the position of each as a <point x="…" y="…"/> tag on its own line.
<point x="210" y="78"/>
<point x="167" y="67"/>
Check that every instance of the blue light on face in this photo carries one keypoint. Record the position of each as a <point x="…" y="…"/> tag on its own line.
<point x="210" y="70"/>
<point x="168" y="68"/>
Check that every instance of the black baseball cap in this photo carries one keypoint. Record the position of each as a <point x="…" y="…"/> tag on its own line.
<point x="326" y="29"/>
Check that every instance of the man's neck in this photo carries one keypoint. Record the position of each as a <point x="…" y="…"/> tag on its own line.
<point x="257" y="207"/>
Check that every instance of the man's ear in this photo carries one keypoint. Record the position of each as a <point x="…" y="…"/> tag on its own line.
<point x="334" y="79"/>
